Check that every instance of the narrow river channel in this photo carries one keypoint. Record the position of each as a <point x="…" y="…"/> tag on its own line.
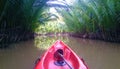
<point x="97" y="54"/>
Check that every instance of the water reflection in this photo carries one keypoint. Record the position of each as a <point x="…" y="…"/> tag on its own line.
<point x="45" y="42"/>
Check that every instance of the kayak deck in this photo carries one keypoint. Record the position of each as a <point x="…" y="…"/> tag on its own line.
<point x="52" y="59"/>
<point x="49" y="62"/>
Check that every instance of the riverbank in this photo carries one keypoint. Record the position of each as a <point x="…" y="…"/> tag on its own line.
<point x="14" y="37"/>
<point x="109" y="37"/>
<point x="97" y="36"/>
<point x="8" y="37"/>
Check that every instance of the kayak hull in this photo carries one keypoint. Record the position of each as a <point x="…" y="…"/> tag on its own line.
<point x="50" y="59"/>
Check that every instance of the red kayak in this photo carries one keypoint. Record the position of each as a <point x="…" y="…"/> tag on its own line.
<point x="60" y="56"/>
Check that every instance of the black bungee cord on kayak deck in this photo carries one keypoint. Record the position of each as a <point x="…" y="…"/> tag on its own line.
<point x="70" y="66"/>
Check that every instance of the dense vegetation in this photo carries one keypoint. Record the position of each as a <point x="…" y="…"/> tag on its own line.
<point x="96" y="19"/>
<point x="18" y="19"/>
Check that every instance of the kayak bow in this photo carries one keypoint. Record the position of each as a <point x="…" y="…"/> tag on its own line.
<point x="60" y="56"/>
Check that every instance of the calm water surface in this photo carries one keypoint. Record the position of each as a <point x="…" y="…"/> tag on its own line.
<point x="97" y="54"/>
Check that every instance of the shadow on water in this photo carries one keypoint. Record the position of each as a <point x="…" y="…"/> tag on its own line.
<point x="97" y="54"/>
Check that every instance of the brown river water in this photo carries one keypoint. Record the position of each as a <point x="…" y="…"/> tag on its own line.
<point x="97" y="54"/>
